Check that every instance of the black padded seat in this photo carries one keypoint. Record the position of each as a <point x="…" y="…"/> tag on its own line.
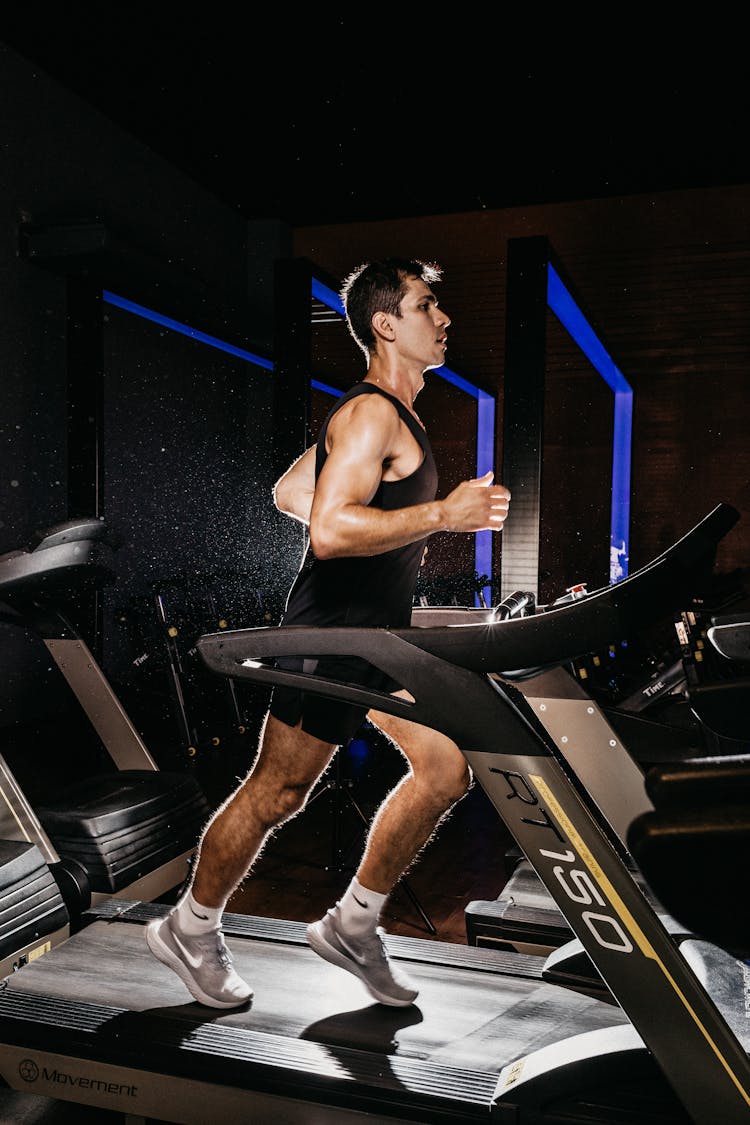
<point x="120" y="826"/>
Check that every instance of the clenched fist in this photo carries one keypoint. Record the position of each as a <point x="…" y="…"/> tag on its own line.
<point x="477" y="505"/>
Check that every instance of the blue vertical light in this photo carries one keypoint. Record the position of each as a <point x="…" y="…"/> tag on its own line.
<point x="620" y="518"/>
<point x="485" y="462"/>
<point x="575" y="323"/>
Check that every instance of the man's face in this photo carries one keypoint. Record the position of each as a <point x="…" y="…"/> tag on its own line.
<point x="421" y="328"/>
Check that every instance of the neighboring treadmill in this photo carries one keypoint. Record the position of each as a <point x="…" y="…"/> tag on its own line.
<point x="128" y="830"/>
<point x="696" y="840"/>
<point x="721" y="698"/>
<point x="33" y="914"/>
<point x="524" y="917"/>
<point x="693" y="847"/>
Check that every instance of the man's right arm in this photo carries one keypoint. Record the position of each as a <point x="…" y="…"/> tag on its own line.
<point x="362" y="436"/>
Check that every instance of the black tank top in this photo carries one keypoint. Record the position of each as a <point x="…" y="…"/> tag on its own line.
<point x="374" y="590"/>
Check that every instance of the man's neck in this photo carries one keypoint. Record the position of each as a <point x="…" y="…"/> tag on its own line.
<point x="403" y="385"/>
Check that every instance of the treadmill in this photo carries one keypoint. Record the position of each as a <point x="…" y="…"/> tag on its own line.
<point x="656" y="1035"/>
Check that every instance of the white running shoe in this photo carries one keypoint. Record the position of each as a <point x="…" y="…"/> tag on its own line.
<point x="367" y="959"/>
<point x="202" y="962"/>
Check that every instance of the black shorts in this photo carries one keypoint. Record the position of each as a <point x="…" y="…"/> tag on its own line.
<point x="331" y="720"/>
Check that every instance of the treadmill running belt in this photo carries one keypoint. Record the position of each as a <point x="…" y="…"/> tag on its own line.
<point x="312" y="1032"/>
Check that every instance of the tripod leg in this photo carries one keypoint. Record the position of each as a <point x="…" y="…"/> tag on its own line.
<point x="417" y="905"/>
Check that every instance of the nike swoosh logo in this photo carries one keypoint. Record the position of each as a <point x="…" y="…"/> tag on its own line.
<point x="364" y="905"/>
<point x="358" y="957"/>
<point x="203" y="917"/>
<point x="194" y="962"/>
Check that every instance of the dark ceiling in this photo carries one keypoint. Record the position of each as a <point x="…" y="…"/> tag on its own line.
<point x="309" y="120"/>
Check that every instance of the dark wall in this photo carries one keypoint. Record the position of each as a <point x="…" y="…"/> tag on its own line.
<point x="176" y="432"/>
<point x="187" y="434"/>
<point x="175" y="246"/>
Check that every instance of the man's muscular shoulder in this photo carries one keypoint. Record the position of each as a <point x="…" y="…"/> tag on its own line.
<point x="368" y="418"/>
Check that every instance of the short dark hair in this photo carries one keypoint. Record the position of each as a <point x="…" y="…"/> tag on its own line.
<point x="380" y="286"/>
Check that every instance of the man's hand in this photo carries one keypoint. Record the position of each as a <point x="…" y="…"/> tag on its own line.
<point x="477" y="505"/>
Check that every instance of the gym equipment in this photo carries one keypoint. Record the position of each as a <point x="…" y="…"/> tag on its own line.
<point x="197" y="604"/>
<point x="132" y="828"/>
<point x="524" y="916"/>
<point x="496" y="1037"/>
<point x="695" y="840"/>
<point x="33" y="914"/>
<point x="730" y="636"/>
<point x="693" y="843"/>
<point x="161" y="628"/>
<point x="721" y="699"/>
<point x="644" y="683"/>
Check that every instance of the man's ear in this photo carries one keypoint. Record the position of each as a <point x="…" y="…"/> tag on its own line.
<point x="381" y="325"/>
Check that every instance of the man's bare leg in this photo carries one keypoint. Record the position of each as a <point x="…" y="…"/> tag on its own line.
<point x="189" y="939"/>
<point x="288" y="765"/>
<point x="349" y="935"/>
<point x="408" y="817"/>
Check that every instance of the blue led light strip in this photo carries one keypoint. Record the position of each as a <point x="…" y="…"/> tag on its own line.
<point x="485" y="430"/>
<point x="193" y="333"/>
<point x="575" y="323"/>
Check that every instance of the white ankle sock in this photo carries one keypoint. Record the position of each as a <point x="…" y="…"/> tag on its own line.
<point x="359" y="909"/>
<point x="193" y="918"/>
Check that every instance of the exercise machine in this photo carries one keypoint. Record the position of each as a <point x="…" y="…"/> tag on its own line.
<point x="691" y="846"/>
<point x="696" y="839"/>
<point x="720" y="699"/>
<point x="127" y="829"/>
<point x="495" y="1037"/>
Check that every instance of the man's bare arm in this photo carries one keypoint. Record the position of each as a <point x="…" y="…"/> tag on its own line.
<point x="341" y="524"/>
<point x="294" y="490"/>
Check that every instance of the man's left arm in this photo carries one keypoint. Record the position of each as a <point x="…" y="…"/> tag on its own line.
<point x="294" y="490"/>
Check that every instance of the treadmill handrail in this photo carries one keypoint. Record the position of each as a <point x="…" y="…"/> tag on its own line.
<point x="542" y="639"/>
<point x="730" y="636"/>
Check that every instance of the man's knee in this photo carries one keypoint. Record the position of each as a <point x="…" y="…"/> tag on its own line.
<point x="457" y="779"/>
<point x="288" y="765"/>
<point x="291" y="798"/>
<point x="447" y="775"/>
<point x="279" y="802"/>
